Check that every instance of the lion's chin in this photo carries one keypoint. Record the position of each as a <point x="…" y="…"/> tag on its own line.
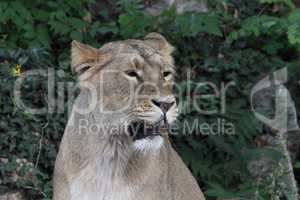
<point x="149" y="144"/>
<point x="141" y="129"/>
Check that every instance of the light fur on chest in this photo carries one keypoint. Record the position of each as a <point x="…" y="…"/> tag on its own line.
<point x="98" y="185"/>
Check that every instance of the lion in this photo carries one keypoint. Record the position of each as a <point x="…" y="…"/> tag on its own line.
<point x="116" y="144"/>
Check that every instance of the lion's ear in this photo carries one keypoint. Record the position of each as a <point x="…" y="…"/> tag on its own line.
<point x="82" y="54"/>
<point x="86" y="60"/>
<point x="159" y="42"/>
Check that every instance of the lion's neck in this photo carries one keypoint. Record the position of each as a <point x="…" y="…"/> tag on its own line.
<point x="116" y="179"/>
<point x="113" y="172"/>
<point x="120" y="162"/>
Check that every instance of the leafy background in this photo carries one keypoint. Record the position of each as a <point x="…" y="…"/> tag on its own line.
<point x="236" y="40"/>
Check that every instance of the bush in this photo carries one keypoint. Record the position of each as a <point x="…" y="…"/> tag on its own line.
<point x="240" y="41"/>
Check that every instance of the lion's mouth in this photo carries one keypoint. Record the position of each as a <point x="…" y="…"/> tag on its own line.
<point x="141" y="129"/>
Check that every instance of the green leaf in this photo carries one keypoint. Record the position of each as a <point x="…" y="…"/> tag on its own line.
<point x="76" y="23"/>
<point x="59" y="28"/>
<point x="216" y="190"/>
<point x="289" y="3"/>
<point x="273" y="47"/>
<point x="294" y="34"/>
<point x="191" y="24"/>
<point x="40" y="15"/>
<point x="259" y="25"/>
<point x="76" y="35"/>
<point x="294" y="17"/>
<point x="131" y="27"/>
<point x="104" y="28"/>
<point x="43" y="35"/>
<point x="29" y="31"/>
<point x="255" y="154"/>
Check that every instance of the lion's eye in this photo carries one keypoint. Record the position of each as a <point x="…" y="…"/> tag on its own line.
<point x="132" y="74"/>
<point x="167" y="74"/>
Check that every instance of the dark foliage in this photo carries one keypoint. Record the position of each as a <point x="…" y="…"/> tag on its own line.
<point x="236" y="41"/>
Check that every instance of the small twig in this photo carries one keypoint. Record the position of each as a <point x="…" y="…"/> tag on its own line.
<point x="40" y="144"/>
<point x="35" y="189"/>
<point x="262" y="11"/>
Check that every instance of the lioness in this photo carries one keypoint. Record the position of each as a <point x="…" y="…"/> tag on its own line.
<point x="115" y="146"/>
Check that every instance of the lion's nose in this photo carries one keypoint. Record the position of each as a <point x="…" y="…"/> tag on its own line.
<point x="163" y="105"/>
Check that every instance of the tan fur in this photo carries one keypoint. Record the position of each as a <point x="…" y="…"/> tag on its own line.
<point x="103" y="165"/>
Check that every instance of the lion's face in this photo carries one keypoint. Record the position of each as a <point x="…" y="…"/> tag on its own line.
<point x="133" y="78"/>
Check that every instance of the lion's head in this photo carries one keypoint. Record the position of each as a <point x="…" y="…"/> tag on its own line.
<point x="130" y="83"/>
